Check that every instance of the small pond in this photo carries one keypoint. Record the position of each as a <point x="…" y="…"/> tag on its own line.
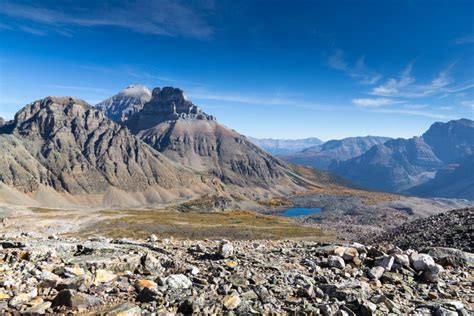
<point x="300" y="211"/>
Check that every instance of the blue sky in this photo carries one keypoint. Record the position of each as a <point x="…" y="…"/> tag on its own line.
<point x="281" y="69"/>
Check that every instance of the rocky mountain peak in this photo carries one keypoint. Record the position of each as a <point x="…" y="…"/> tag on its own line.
<point x="125" y="103"/>
<point x="166" y="104"/>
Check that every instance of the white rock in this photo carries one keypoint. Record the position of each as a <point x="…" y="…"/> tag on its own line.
<point x="178" y="281"/>
<point x="376" y="272"/>
<point x="422" y="261"/>
<point x="153" y="238"/>
<point x="336" y="262"/>
<point x="402" y="259"/>
<point x="226" y="249"/>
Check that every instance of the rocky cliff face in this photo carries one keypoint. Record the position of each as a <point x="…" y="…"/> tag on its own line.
<point x="66" y="144"/>
<point x="2" y="121"/>
<point x="167" y="104"/>
<point x="334" y="150"/>
<point x="126" y="103"/>
<point x="400" y="164"/>
<point x="185" y="134"/>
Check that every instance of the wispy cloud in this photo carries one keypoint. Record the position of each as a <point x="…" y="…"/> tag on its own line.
<point x="469" y="104"/>
<point x="374" y="102"/>
<point x="416" y="106"/>
<point x="414" y="113"/>
<point x="275" y="99"/>
<point x="359" y="71"/>
<point x="160" y="17"/>
<point x="405" y="86"/>
<point x="469" y="39"/>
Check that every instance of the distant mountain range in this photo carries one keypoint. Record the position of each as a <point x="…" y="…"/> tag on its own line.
<point x="438" y="163"/>
<point x="321" y="156"/>
<point x="403" y="164"/>
<point x="285" y="146"/>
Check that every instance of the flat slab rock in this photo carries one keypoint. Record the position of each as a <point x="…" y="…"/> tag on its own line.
<point x="135" y="277"/>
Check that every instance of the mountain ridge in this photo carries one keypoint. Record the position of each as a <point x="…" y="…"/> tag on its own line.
<point x="399" y="164"/>
<point x="323" y="155"/>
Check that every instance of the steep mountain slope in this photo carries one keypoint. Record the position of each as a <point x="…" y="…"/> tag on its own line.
<point x="185" y="134"/>
<point x="334" y="150"/>
<point x="400" y="164"/>
<point x="128" y="101"/>
<point x="285" y="146"/>
<point x="451" y="141"/>
<point x="65" y="144"/>
<point x="2" y="121"/>
<point x="452" y="181"/>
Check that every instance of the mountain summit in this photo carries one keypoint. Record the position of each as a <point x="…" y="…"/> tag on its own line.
<point x="167" y="104"/>
<point x="125" y="103"/>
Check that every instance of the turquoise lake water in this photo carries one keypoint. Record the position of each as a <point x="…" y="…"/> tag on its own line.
<point x="300" y="211"/>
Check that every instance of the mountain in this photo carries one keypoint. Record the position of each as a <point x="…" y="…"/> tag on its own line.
<point x="401" y="164"/>
<point x="128" y="101"/>
<point x="285" y="146"/>
<point x="453" y="181"/>
<point x="2" y="121"/>
<point x="451" y="141"/>
<point x="185" y="134"/>
<point x="322" y="156"/>
<point x="64" y="144"/>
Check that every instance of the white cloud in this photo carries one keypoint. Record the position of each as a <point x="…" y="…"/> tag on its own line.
<point x="416" y="106"/>
<point x="469" y="104"/>
<point x="376" y="102"/>
<point x="359" y="71"/>
<point x="414" y="113"/>
<point x="469" y="39"/>
<point x="446" y="108"/>
<point x="161" y="17"/>
<point x="404" y="86"/>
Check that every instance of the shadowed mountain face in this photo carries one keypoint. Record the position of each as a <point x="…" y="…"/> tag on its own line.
<point x="400" y="164"/>
<point x="451" y="141"/>
<point x="285" y="146"/>
<point x="454" y="181"/>
<point x="66" y="144"/>
<point x="127" y="102"/>
<point x="322" y="156"/>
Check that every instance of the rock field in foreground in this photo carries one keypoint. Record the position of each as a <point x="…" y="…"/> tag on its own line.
<point x="123" y="277"/>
